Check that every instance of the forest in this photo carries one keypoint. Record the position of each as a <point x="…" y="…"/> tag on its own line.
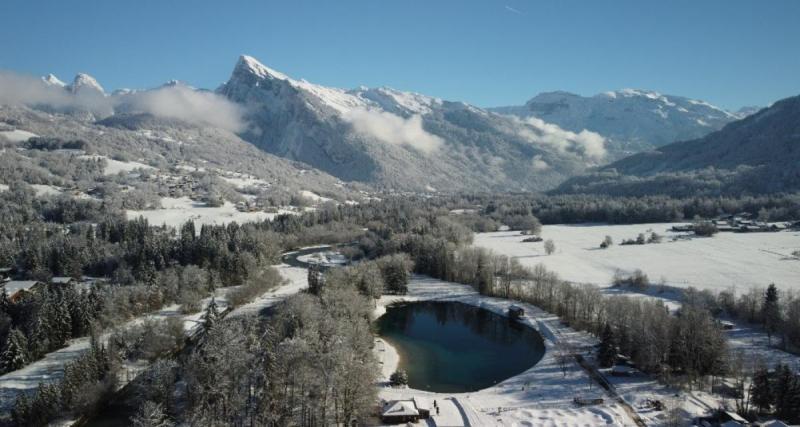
<point x="310" y="362"/>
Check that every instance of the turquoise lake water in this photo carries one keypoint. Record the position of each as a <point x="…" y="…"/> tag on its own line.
<point x="452" y="347"/>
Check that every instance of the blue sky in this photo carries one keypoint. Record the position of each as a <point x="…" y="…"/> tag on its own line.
<point x="488" y="53"/>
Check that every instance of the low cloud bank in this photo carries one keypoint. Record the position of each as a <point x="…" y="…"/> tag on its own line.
<point x="178" y="102"/>
<point x="20" y="89"/>
<point x="183" y="103"/>
<point x="590" y="145"/>
<point x="393" y="129"/>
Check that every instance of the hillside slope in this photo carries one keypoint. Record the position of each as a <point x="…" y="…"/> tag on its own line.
<point x="758" y="154"/>
<point x="403" y="140"/>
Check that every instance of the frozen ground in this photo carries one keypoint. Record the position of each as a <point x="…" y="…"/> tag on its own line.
<point x="175" y="211"/>
<point x="738" y="260"/>
<point x="540" y="396"/>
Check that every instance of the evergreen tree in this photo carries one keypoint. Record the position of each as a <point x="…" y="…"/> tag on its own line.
<point x="771" y="312"/>
<point x="761" y="393"/>
<point x="315" y="280"/>
<point x="15" y="353"/>
<point x="5" y="303"/>
<point x="785" y="387"/>
<point x="607" y="353"/>
<point x="61" y="322"/>
<point x="398" y="378"/>
<point x="212" y="315"/>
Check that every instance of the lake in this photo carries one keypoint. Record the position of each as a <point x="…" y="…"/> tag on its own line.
<point x="452" y="347"/>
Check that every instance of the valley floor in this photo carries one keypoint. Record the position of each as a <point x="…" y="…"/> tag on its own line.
<point x="726" y="261"/>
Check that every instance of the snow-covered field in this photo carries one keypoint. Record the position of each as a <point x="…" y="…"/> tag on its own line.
<point x="540" y="396"/>
<point x="725" y="261"/>
<point x="16" y="135"/>
<point x="114" y="167"/>
<point x="316" y="198"/>
<point x="176" y="211"/>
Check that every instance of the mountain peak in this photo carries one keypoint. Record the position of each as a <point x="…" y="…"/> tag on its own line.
<point x="52" y="80"/>
<point x="85" y="82"/>
<point x="249" y="65"/>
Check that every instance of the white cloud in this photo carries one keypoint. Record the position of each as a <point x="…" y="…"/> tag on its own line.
<point x="587" y="144"/>
<point x="513" y="10"/>
<point x="183" y="103"/>
<point x="393" y="129"/>
<point x="539" y="164"/>
<point x="19" y="89"/>
<point x="178" y="102"/>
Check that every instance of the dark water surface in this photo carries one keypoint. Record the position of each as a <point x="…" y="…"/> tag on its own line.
<point x="452" y="347"/>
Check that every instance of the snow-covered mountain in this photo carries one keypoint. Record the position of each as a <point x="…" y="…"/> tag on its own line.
<point x="52" y="80"/>
<point x="632" y="120"/>
<point x="84" y="83"/>
<point x="404" y="140"/>
<point x="758" y="154"/>
<point x="395" y="139"/>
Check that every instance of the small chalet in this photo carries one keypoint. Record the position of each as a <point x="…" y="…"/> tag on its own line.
<point x="16" y="288"/>
<point x="63" y="281"/>
<point x="732" y="419"/>
<point x="400" y="411"/>
<point x="515" y="312"/>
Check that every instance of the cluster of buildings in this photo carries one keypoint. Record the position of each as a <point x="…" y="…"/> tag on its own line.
<point x="177" y="185"/>
<point x="741" y="223"/>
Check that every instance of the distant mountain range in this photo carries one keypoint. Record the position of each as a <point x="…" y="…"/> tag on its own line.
<point x="397" y="140"/>
<point x="758" y="154"/>
<point x="631" y="120"/>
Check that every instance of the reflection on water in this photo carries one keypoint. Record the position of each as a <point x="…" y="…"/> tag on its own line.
<point x="454" y="347"/>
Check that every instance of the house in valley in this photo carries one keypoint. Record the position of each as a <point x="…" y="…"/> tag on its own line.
<point x="400" y="411"/>
<point x="15" y="289"/>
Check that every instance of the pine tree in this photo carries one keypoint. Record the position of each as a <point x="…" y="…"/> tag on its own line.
<point x="61" y="322"/>
<point x="771" y="312"/>
<point x="5" y="303"/>
<point x="785" y="384"/>
<point x="212" y="315"/>
<point x="607" y="353"/>
<point x="15" y="353"/>
<point x="314" y="279"/>
<point x="398" y="378"/>
<point x="761" y="394"/>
